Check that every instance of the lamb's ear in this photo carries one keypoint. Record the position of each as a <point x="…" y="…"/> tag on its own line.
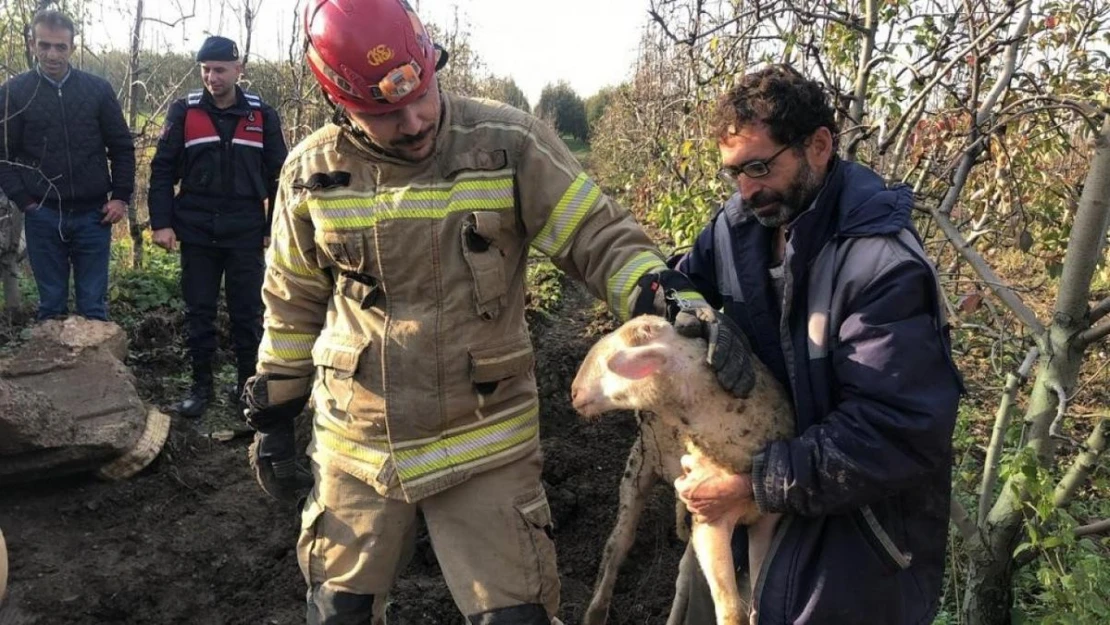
<point x="635" y="363"/>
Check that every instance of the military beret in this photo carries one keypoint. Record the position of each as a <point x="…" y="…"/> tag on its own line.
<point x="218" y="48"/>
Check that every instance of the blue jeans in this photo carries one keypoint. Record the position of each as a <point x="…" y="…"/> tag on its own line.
<point x="57" y="239"/>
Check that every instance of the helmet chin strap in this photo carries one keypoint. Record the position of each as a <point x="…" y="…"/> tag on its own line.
<point x="340" y="118"/>
<point x="441" y="56"/>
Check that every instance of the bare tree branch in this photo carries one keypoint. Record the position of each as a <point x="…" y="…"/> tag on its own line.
<point x="133" y="84"/>
<point x="182" y="16"/>
<point x="1094" y="334"/>
<point x="971" y="153"/>
<point x="1088" y="237"/>
<point x="1012" y="50"/>
<point x="1084" y="463"/>
<point x="863" y="76"/>
<point x="998" y="23"/>
<point x="1097" y="527"/>
<point x="984" y="270"/>
<point x="1100" y="310"/>
<point x="845" y="21"/>
<point x="998" y="435"/>
<point x="961" y="519"/>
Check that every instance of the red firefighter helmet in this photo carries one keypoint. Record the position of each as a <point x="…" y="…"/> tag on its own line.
<point x="370" y="56"/>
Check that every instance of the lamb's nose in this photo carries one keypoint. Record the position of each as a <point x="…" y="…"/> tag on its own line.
<point x="573" y="393"/>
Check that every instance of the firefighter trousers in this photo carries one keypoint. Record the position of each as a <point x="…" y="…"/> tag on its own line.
<point x="491" y="535"/>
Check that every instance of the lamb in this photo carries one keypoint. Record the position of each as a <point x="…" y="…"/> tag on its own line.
<point x="646" y="365"/>
<point x="654" y="457"/>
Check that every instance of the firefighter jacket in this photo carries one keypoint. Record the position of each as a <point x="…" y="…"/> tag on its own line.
<point x="402" y="286"/>
<point x="227" y="163"/>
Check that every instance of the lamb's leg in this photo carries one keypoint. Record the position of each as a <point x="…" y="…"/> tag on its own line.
<point x="713" y="546"/>
<point x="759" y="541"/>
<point x="377" y="616"/>
<point x="682" y="587"/>
<point x="640" y="474"/>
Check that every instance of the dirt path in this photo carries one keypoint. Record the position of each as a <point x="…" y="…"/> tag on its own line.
<point x="193" y="540"/>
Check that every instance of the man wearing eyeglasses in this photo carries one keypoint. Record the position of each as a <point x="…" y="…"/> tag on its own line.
<point x="816" y="262"/>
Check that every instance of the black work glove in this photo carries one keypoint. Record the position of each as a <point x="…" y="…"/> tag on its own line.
<point x="729" y="353"/>
<point x="273" y="454"/>
<point x="273" y="458"/>
<point x="663" y="293"/>
<point x="258" y="412"/>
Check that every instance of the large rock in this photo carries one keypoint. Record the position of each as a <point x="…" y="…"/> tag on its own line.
<point x="68" y="404"/>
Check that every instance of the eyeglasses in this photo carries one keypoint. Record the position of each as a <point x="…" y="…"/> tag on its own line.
<point x="752" y="169"/>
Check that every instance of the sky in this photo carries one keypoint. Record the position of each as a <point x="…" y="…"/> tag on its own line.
<point x="588" y="43"/>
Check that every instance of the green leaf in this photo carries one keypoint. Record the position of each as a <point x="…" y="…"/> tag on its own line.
<point x="1022" y="548"/>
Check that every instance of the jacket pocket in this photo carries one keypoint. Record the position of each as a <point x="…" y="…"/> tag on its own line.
<point x="345" y="250"/>
<point x="486" y="262"/>
<point x="537" y="545"/>
<point x="337" y="357"/>
<point x="361" y="288"/>
<point x="477" y="160"/>
<point x="880" y="541"/>
<point x="491" y="365"/>
<point x="309" y="549"/>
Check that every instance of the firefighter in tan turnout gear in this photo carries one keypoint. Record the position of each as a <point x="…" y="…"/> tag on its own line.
<point x="396" y="278"/>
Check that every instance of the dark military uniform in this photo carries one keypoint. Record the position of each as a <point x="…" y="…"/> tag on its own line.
<point x="227" y="162"/>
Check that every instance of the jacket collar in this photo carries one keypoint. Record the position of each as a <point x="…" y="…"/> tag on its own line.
<point x="57" y="84"/>
<point x="362" y="146"/>
<point x="854" y="202"/>
<point x="240" y="108"/>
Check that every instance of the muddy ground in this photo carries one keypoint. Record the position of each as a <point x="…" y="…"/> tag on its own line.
<point x="193" y="540"/>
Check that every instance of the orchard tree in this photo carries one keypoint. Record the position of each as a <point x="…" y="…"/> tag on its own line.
<point x="563" y="109"/>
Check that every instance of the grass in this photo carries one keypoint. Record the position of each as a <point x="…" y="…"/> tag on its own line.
<point x="545" y="286"/>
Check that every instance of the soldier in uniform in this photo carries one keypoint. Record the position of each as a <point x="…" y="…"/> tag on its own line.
<point x="225" y="148"/>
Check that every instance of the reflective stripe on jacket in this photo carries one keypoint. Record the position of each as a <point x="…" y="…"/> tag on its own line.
<point x="402" y="286"/>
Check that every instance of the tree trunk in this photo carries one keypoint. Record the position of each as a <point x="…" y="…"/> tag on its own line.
<point x="9" y="259"/>
<point x="990" y="581"/>
<point x="248" y="25"/>
<point x="134" y="227"/>
<point x="857" y="110"/>
<point x="989" y="595"/>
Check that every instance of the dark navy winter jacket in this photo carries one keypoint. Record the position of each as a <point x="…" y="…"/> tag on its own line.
<point x="225" y="184"/>
<point x="57" y="143"/>
<point x="860" y="340"/>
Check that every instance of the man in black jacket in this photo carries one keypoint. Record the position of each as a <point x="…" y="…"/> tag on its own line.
<point x="61" y="129"/>
<point x="226" y="149"/>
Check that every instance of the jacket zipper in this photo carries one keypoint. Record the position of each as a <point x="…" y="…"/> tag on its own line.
<point x="786" y="305"/>
<point x="227" y="163"/>
<point x="901" y="560"/>
<point x="69" y="157"/>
